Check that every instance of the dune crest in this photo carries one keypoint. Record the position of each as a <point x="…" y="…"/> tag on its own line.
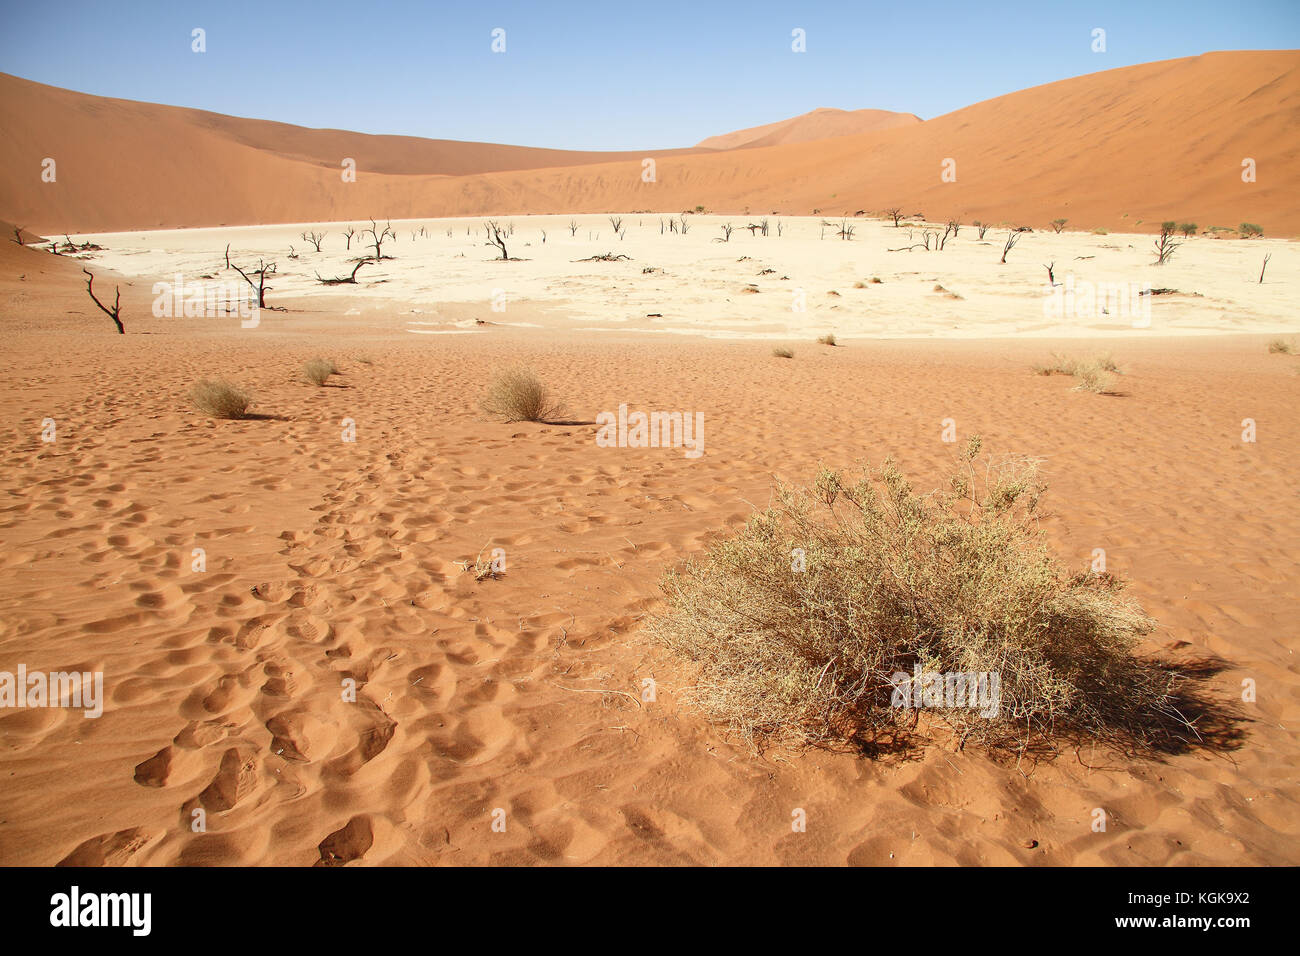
<point x="1170" y="143"/>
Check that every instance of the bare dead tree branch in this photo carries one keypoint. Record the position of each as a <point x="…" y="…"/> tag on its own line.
<point x="496" y="237"/>
<point x="344" y="280"/>
<point x="260" y="287"/>
<point x="1012" y="237"/>
<point x="378" y="236"/>
<point x="117" y="303"/>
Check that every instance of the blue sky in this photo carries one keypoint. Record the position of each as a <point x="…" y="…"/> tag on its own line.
<point x="618" y="75"/>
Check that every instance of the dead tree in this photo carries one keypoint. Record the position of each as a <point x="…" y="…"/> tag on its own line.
<point x="955" y="226"/>
<point x="949" y="230"/>
<point x="314" y="238"/>
<point x="227" y="255"/>
<point x="682" y="225"/>
<point x="115" y="312"/>
<point x="344" y="280"/>
<point x="378" y="236"/>
<point x="260" y="287"/>
<point x="1267" y="256"/>
<point x="573" y="227"/>
<point x="894" y="213"/>
<point x="1051" y="275"/>
<point x="1011" y="241"/>
<point x="1059" y="224"/>
<point x="18" y="235"/>
<point x="726" y="233"/>
<point x="496" y="238"/>
<point x="348" y="236"/>
<point x="983" y="227"/>
<point x="846" y="230"/>
<point x="1165" y="245"/>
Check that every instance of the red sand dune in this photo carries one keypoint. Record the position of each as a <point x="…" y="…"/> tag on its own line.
<point x="1138" y="144"/>
<point x="819" y="124"/>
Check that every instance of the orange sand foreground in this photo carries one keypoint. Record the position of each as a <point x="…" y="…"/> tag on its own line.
<point x="328" y="560"/>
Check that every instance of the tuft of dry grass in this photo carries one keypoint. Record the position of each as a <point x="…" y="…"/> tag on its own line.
<point x="958" y="581"/>
<point x="783" y="353"/>
<point x="517" y="395"/>
<point x="827" y="340"/>
<point x="1281" y="346"/>
<point x="221" y="399"/>
<point x="318" y="370"/>
<point x="1092" y="375"/>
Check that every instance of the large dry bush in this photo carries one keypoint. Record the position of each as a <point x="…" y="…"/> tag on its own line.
<point x="953" y="581"/>
<point x="221" y="399"/>
<point x="518" y="395"/>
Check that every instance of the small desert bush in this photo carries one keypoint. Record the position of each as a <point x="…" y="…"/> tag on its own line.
<point x="220" y="399"/>
<point x="1093" y="375"/>
<point x="827" y="340"/>
<point x="1282" y="346"/>
<point x="517" y="395"/>
<point x="782" y="353"/>
<point x="1249" y="229"/>
<point x="957" y="581"/>
<point x="318" y="370"/>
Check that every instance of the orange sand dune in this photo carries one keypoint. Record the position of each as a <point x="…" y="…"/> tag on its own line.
<point x="819" y="124"/>
<point x="1115" y="149"/>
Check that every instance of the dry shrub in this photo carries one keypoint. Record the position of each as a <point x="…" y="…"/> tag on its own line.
<point x="959" y="581"/>
<point x="1093" y="375"/>
<point x="782" y="353"/>
<point x="1281" y="346"/>
<point x="517" y="395"/>
<point x="221" y="399"/>
<point x="318" y="370"/>
<point x="827" y="340"/>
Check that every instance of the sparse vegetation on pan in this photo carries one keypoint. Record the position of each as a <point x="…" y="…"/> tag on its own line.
<point x="782" y="353"/>
<point x="955" y="581"/>
<point x="1093" y="375"/>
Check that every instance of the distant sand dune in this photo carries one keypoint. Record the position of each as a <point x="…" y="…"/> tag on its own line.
<point x="819" y="124"/>
<point x="1114" y="149"/>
